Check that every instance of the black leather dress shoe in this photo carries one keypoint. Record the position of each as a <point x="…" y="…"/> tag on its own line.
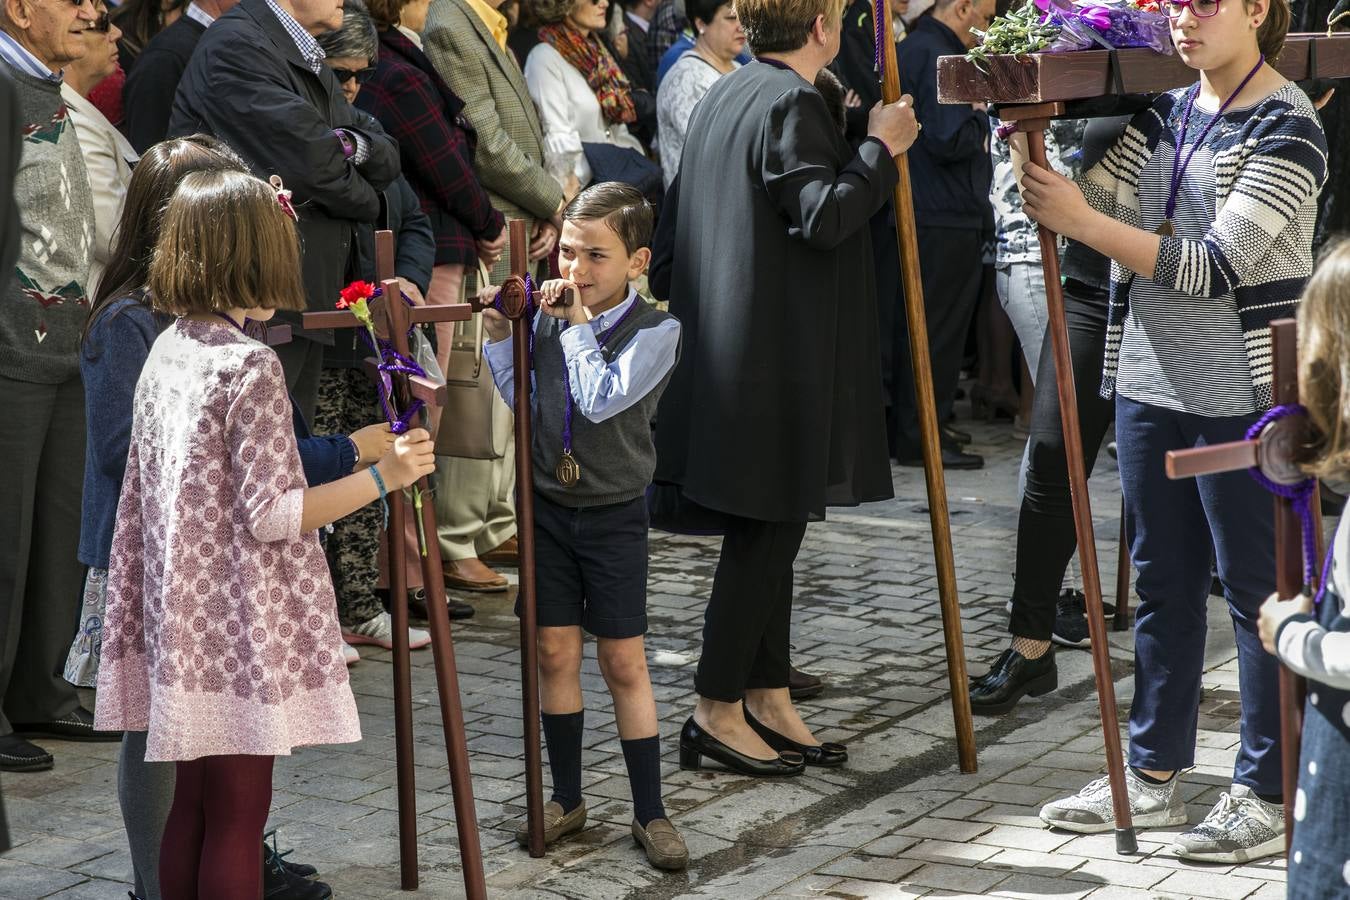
<point x="417" y="608"/>
<point x="271" y="851"/>
<point x="955" y="436"/>
<point x="1011" y="676"/>
<point x="695" y="743"/>
<point x="17" y="755"/>
<point x="76" y="725"/>
<point x="826" y="755"/>
<point x="802" y="686"/>
<point x="952" y="458"/>
<point x="281" y="884"/>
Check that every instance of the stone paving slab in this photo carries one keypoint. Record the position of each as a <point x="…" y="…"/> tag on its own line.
<point x="898" y="822"/>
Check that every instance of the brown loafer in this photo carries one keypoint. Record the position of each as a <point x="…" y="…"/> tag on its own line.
<point x="508" y="555"/>
<point x="663" y="844"/>
<point x="557" y="824"/>
<point x="472" y="575"/>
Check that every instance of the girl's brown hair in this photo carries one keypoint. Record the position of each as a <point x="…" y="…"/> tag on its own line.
<point x="1270" y="36"/>
<point x="225" y="242"/>
<point x="1324" y="362"/>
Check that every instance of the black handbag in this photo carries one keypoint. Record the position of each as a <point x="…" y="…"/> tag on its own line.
<point x="610" y="162"/>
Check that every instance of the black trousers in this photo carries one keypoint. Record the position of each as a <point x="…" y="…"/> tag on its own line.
<point x="41" y="578"/>
<point x="953" y="272"/>
<point x="1046" y="539"/>
<point x="302" y="363"/>
<point x="749" y="616"/>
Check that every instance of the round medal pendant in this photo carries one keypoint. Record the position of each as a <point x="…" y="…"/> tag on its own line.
<point x="568" y="472"/>
<point x="1166" y="229"/>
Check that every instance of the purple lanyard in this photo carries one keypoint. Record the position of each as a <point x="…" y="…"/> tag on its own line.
<point x="601" y="340"/>
<point x="1179" y="167"/>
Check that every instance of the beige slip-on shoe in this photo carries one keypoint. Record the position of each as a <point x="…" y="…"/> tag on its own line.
<point x="663" y="844"/>
<point x="557" y="824"/>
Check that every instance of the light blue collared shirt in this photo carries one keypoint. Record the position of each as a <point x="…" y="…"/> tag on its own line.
<point x="22" y="60"/>
<point x="600" y="389"/>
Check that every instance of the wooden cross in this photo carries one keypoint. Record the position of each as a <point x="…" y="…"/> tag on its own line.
<point x="1031" y="90"/>
<point x="397" y="319"/>
<point x="1276" y="453"/>
<point x="516" y="306"/>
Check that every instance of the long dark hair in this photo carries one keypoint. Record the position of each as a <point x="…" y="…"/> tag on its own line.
<point x="140" y="20"/>
<point x="152" y="185"/>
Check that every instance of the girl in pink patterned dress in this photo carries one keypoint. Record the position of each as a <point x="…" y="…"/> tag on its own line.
<point x="221" y="638"/>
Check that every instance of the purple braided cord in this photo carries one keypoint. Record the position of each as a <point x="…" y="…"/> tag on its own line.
<point x="878" y="9"/>
<point x="391" y="361"/>
<point x="1301" y="495"/>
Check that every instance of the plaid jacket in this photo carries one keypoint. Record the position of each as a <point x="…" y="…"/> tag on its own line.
<point x="510" y="151"/>
<point x="436" y="145"/>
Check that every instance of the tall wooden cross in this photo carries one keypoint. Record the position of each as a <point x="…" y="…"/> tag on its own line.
<point x="1030" y="90"/>
<point x="1276" y="453"/>
<point x="397" y="319"/>
<point x="516" y="306"/>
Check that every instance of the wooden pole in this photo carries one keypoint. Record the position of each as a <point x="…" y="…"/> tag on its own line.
<point x="515" y="302"/>
<point x="939" y="521"/>
<point x="442" y="643"/>
<point x="398" y="600"/>
<point x="1288" y="574"/>
<point x="1033" y="121"/>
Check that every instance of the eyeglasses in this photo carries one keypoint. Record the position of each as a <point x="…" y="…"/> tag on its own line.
<point x="1201" y="9"/>
<point x="362" y="76"/>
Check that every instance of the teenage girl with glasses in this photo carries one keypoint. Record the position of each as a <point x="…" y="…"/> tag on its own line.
<point x="1206" y="207"/>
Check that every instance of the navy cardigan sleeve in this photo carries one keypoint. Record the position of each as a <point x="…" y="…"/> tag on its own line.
<point x="324" y="458"/>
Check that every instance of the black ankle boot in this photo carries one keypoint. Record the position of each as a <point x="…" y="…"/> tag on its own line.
<point x="1011" y="676"/>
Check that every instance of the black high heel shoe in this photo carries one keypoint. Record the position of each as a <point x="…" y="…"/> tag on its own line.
<point x="825" y="755"/>
<point x="695" y="743"/>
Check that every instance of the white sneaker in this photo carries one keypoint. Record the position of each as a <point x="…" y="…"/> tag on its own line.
<point x="349" y="654"/>
<point x="379" y="631"/>
<point x="1240" y="828"/>
<point x="1090" y="812"/>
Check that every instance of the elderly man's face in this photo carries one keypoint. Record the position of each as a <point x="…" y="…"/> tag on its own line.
<point x="52" y="30"/>
<point x="317" y="16"/>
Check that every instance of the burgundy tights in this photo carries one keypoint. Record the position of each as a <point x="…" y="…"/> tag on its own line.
<point x="212" y="847"/>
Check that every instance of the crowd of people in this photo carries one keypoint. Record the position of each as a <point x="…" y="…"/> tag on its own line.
<point x="194" y="512"/>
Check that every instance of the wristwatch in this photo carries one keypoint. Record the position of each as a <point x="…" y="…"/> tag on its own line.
<point x="348" y="145"/>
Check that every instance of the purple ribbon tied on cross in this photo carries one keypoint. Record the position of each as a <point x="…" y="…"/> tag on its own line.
<point x="1301" y="495"/>
<point x="391" y="362"/>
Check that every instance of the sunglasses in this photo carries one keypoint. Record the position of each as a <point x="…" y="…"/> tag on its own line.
<point x="102" y="23"/>
<point x="362" y="76"/>
<point x="1201" y="9"/>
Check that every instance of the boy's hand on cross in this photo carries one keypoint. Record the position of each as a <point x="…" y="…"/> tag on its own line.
<point x="551" y="293"/>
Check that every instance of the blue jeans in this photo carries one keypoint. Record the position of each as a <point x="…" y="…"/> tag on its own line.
<point x="1173" y="528"/>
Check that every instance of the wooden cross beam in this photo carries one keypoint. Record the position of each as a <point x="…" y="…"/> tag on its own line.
<point x="396" y="319"/>
<point x="516" y="308"/>
<point x="1033" y="120"/>
<point x="1276" y="452"/>
<point x="1083" y="74"/>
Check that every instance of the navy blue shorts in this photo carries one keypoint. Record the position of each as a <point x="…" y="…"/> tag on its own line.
<point x="590" y="567"/>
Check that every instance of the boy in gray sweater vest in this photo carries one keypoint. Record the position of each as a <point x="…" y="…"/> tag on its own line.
<point x="600" y="365"/>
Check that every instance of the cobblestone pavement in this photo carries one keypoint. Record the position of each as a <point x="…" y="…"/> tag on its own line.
<point x="899" y="821"/>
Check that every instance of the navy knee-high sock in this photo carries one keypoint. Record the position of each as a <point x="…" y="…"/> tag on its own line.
<point x="562" y="737"/>
<point x="643" y="758"/>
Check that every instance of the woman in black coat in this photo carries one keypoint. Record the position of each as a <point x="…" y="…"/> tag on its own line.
<point x="775" y="410"/>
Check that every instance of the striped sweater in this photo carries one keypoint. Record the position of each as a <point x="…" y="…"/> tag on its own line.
<point x="1270" y="163"/>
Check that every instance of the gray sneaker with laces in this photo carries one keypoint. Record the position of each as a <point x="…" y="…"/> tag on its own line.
<point x="1240" y="828"/>
<point x="1089" y="810"/>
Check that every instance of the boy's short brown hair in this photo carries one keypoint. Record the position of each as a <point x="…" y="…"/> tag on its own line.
<point x="225" y="242"/>
<point x="620" y="206"/>
<point x="781" y="26"/>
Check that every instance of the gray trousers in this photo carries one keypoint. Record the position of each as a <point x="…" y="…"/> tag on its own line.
<point x="145" y="793"/>
<point x="41" y="580"/>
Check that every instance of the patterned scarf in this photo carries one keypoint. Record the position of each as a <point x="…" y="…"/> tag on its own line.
<point x="588" y="56"/>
